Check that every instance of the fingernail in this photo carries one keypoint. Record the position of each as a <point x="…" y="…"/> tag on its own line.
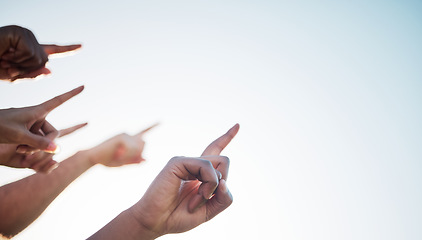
<point x="29" y="152"/>
<point x="52" y="148"/>
<point x="21" y="150"/>
<point x="14" y="73"/>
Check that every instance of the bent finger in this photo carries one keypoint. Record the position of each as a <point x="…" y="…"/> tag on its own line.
<point x="43" y="165"/>
<point x="31" y="160"/>
<point x="25" y="149"/>
<point x="17" y="56"/>
<point x="49" y="131"/>
<point x="221" y="200"/>
<point x="201" y="169"/>
<point x="39" y="142"/>
<point x="48" y="167"/>
<point x="43" y="129"/>
<point x="32" y="74"/>
<point x="220" y="163"/>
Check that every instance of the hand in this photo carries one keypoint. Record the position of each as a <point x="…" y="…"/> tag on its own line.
<point x="22" y="56"/>
<point x="120" y="150"/>
<point x="187" y="192"/>
<point x="39" y="161"/>
<point x="25" y="149"/>
<point x="28" y="125"/>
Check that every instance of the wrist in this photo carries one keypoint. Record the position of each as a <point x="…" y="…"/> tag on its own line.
<point x="124" y="226"/>
<point x="88" y="157"/>
<point x="143" y="231"/>
<point x="100" y="153"/>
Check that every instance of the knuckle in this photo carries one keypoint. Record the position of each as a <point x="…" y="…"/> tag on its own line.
<point x="225" y="160"/>
<point x="122" y="136"/>
<point x="13" y="26"/>
<point x="21" y="31"/>
<point x="175" y="159"/>
<point x="20" y="136"/>
<point x="214" y="183"/>
<point x="43" y="59"/>
<point x="25" y="30"/>
<point x="40" y="61"/>
<point x="207" y="164"/>
<point x="229" y="201"/>
<point x="38" y="114"/>
<point x="31" y="53"/>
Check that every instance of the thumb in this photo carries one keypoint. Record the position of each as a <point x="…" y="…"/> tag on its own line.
<point x="40" y="142"/>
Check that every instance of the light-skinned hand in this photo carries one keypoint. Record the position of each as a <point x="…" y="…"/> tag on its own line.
<point x="120" y="150"/>
<point x="39" y="161"/>
<point x="187" y="192"/>
<point x="27" y="126"/>
<point x="21" y="56"/>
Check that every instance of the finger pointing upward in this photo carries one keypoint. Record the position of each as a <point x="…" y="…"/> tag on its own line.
<point x="51" y="104"/>
<point x="141" y="133"/>
<point x="67" y="131"/>
<point x="220" y="143"/>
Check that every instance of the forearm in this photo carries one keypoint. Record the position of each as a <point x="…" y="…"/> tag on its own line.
<point x="124" y="226"/>
<point x="21" y="202"/>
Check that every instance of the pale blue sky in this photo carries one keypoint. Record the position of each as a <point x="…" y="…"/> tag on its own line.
<point x="327" y="93"/>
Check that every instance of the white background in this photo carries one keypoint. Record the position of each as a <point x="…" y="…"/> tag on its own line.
<point x="327" y="93"/>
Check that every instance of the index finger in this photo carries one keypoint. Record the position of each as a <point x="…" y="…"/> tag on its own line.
<point x="66" y="131"/>
<point x="141" y="133"/>
<point x="54" y="49"/>
<point x="220" y="143"/>
<point x="57" y="101"/>
<point x="49" y="131"/>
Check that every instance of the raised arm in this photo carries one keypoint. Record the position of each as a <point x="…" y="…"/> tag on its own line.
<point x="21" y="202"/>
<point x="185" y="194"/>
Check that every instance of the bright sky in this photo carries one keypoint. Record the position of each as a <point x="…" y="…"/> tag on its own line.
<point x="328" y="95"/>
